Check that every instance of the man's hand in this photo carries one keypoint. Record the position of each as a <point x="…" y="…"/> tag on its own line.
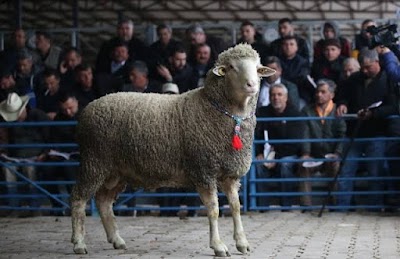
<point x="63" y="67"/>
<point x="382" y="49"/>
<point x="164" y="72"/>
<point x="267" y="165"/>
<point x="51" y="115"/>
<point x="41" y="157"/>
<point x="364" y="114"/>
<point x="341" y="110"/>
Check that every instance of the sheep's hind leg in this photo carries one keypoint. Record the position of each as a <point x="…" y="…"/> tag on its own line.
<point x="104" y="201"/>
<point x="82" y="191"/>
<point x="231" y="187"/>
<point x="210" y="200"/>
<point x="78" y="216"/>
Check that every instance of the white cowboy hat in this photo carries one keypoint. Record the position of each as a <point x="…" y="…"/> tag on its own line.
<point x="170" y="88"/>
<point x="11" y="108"/>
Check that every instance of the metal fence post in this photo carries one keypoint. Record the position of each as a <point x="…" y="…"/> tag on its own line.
<point x="252" y="184"/>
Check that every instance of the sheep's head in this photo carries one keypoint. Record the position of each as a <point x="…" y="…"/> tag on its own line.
<point x="237" y="72"/>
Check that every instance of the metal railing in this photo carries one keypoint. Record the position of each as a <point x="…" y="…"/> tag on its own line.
<point x="130" y="200"/>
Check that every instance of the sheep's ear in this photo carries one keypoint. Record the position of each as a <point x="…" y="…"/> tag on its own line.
<point x="219" y="70"/>
<point x="264" y="71"/>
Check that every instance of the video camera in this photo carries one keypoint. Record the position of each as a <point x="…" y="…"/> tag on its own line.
<point x="384" y="35"/>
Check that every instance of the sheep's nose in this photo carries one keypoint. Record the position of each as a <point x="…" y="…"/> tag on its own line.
<point x="250" y="84"/>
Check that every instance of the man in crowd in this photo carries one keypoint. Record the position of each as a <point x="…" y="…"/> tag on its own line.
<point x="85" y="89"/>
<point x="28" y="77"/>
<point x="296" y="68"/>
<point x="368" y="86"/>
<point x="50" y="55"/>
<point x="115" y="74"/>
<point x="69" y="111"/>
<point x="7" y="84"/>
<point x="47" y="98"/>
<point x="202" y="64"/>
<point x="330" y="64"/>
<point x="139" y="80"/>
<point x="195" y="35"/>
<point x="8" y="57"/>
<point x="285" y="29"/>
<point x="15" y="109"/>
<point x="161" y="49"/>
<point x="321" y="129"/>
<point x="362" y="39"/>
<point x="331" y="30"/>
<point x="72" y="58"/>
<point x="137" y="49"/>
<point x="293" y="94"/>
<point x="177" y="71"/>
<point x="279" y="130"/>
<point x="250" y="36"/>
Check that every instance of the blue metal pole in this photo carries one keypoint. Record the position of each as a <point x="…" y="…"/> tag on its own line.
<point x="253" y="198"/>
<point x="23" y="177"/>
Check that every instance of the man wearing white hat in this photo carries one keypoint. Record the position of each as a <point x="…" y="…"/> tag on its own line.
<point x="14" y="108"/>
<point x="170" y="88"/>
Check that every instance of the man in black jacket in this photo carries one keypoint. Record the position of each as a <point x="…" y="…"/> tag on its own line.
<point x="178" y="71"/>
<point x="293" y="92"/>
<point x="69" y="111"/>
<point x="295" y="68"/>
<point x="139" y="80"/>
<point x="279" y="130"/>
<point x="160" y="50"/>
<point x="125" y="33"/>
<point x="285" y="28"/>
<point x="195" y="35"/>
<point x="250" y="35"/>
<point x="369" y="86"/>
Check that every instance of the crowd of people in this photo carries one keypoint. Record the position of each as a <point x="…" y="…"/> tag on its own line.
<point x="49" y="83"/>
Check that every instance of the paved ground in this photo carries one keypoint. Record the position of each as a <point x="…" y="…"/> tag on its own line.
<point x="271" y="235"/>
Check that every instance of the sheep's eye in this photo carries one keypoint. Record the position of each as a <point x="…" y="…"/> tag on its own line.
<point x="261" y="70"/>
<point x="231" y="67"/>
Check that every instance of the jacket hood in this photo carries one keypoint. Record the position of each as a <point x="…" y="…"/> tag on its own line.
<point x="332" y="24"/>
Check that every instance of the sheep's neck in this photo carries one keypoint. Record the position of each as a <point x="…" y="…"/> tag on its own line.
<point x="241" y="108"/>
<point x="236" y="141"/>
<point x="235" y="116"/>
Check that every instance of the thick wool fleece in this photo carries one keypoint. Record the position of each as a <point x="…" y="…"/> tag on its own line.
<point x="154" y="140"/>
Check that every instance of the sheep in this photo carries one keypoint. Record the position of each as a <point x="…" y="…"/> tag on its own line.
<point x="202" y="139"/>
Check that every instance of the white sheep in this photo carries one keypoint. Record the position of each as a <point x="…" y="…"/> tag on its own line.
<point x="201" y="139"/>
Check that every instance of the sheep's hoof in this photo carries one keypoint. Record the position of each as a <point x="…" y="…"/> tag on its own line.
<point x="119" y="243"/>
<point x="242" y="245"/>
<point x="80" y="248"/>
<point x="243" y="248"/>
<point x="221" y="251"/>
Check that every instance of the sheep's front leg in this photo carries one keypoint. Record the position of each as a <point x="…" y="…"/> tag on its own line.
<point x="209" y="198"/>
<point x="231" y="188"/>
<point x="104" y="202"/>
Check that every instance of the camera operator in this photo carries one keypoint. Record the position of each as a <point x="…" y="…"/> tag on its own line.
<point x="389" y="56"/>
<point x="384" y="39"/>
<point x="389" y="62"/>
